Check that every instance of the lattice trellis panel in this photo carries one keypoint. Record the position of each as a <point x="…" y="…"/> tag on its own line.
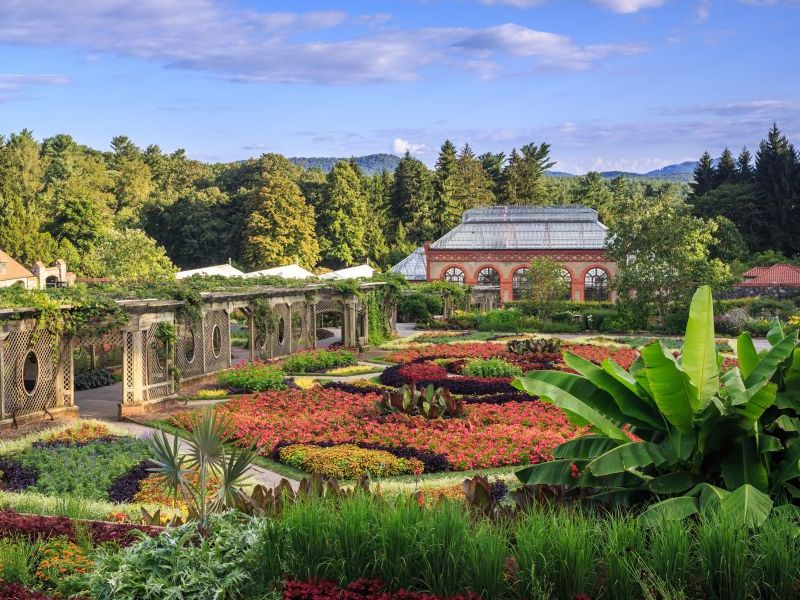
<point x="190" y="348"/>
<point x="217" y="346"/>
<point x="43" y="376"/>
<point x="158" y="383"/>
<point x="108" y="351"/>
<point x="328" y="306"/>
<point x="129" y="339"/>
<point x="280" y="346"/>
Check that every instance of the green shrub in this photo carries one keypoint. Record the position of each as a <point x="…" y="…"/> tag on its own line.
<point x="317" y="361"/>
<point x="253" y="378"/>
<point x="85" y="470"/>
<point x="557" y="327"/>
<point x="419" y="307"/>
<point x="616" y="324"/>
<point x="505" y="320"/>
<point x="491" y="367"/>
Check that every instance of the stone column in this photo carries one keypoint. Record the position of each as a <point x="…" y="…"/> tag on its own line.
<point x="3" y="336"/>
<point x="133" y="367"/>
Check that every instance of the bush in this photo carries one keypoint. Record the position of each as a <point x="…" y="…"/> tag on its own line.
<point x="252" y="378"/>
<point x="347" y="461"/>
<point x="89" y="380"/>
<point x="491" y="367"/>
<point x="616" y="324"/>
<point x="318" y="361"/>
<point x="417" y="307"/>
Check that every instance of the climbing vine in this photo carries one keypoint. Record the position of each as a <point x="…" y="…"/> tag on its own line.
<point x="167" y="337"/>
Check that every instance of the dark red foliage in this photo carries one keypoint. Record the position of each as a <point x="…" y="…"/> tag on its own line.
<point x="14" y="591"/>
<point x="426" y="371"/>
<point x="423" y="374"/>
<point x="350" y="388"/>
<point x="361" y="589"/>
<point x="37" y="526"/>
<point x="14" y="477"/>
<point x="125" y="488"/>
<point x="499" y="398"/>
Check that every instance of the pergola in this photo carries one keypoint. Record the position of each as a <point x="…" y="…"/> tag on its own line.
<point x="37" y="368"/>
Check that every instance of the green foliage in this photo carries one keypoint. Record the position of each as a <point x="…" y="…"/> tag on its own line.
<point x="253" y="378"/>
<point x="128" y="254"/>
<point x="491" y="367"/>
<point x="544" y="284"/>
<point x="704" y="439"/>
<point x="535" y="346"/>
<point x="83" y="470"/>
<point x="317" y="361"/>
<point x="341" y="222"/>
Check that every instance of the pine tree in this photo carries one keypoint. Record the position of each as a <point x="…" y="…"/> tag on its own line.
<point x="525" y="175"/>
<point x="279" y="227"/>
<point x="776" y="176"/>
<point x="378" y="189"/>
<point x="445" y="204"/>
<point x="412" y="200"/>
<point x="704" y="176"/>
<point x="725" y="171"/>
<point x="342" y="218"/>
<point x="744" y="168"/>
<point x="494" y="164"/>
<point x="473" y="188"/>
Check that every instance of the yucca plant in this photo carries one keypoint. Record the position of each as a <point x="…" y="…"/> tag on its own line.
<point x="428" y="402"/>
<point x="221" y="472"/>
<point x="677" y="429"/>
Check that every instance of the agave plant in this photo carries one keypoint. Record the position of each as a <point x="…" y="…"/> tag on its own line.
<point x="678" y="430"/>
<point x="428" y="402"/>
<point x="221" y="471"/>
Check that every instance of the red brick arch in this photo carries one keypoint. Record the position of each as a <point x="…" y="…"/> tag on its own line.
<point x="455" y="266"/>
<point x="604" y="268"/>
<point x="489" y="266"/>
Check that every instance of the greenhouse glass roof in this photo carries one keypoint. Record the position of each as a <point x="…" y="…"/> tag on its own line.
<point x="526" y="228"/>
<point x="413" y="267"/>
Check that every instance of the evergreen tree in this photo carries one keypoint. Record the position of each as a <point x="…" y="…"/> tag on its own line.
<point x="279" y="227"/>
<point x="132" y="181"/>
<point x="744" y="168"/>
<point x="704" y="176"/>
<point x="378" y="189"/>
<point x="593" y="192"/>
<point x="412" y="200"/>
<point x="473" y="188"/>
<point x="342" y="218"/>
<point x="776" y="175"/>
<point x="494" y="164"/>
<point x="725" y="171"/>
<point x="445" y="204"/>
<point x="525" y="181"/>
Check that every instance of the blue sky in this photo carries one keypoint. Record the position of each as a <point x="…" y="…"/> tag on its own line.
<point x="610" y="84"/>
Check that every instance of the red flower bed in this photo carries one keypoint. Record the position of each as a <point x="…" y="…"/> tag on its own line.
<point x="489" y="436"/>
<point x="13" y="523"/>
<point x="14" y="591"/>
<point x="362" y="589"/>
<point x="624" y="357"/>
<point x="468" y="350"/>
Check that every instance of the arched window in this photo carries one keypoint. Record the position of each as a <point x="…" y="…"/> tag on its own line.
<point x="454" y="275"/>
<point x="51" y="282"/>
<point x="595" y="284"/>
<point x="567" y="279"/>
<point x="488" y="276"/>
<point x="519" y="283"/>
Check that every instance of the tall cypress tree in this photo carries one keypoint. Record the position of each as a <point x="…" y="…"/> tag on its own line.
<point x="704" y="176"/>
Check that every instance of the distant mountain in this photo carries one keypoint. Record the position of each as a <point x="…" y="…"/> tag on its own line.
<point x="678" y="172"/>
<point x="369" y="164"/>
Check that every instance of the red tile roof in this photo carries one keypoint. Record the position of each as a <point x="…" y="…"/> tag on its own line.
<point x="780" y="275"/>
<point x="754" y="272"/>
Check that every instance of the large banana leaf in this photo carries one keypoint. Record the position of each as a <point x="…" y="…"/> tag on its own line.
<point x="789" y="467"/>
<point x="789" y="397"/>
<point x="553" y="472"/>
<point x="585" y="447"/>
<point x="749" y="403"/>
<point x="570" y="403"/>
<point x="699" y="353"/>
<point x="637" y="411"/>
<point x="674" y="509"/>
<point x="747" y="504"/>
<point x="586" y="390"/>
<point x="742" y="465"/>
<point x="775" y="333"/>
<point x="746" y="353"/>
<point x="673" y="483"/>
<point x="621" y="375"/>
<point x="769" y="362"/>
<point x="627" y="456"/>
<point x="672" y="389"/>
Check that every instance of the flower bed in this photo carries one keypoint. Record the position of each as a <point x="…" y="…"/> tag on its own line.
<point x="362" y="386"/>
<point x="318" y="361"/>
<point x="251" y="377"/>
<point x="362" y="589"/>
<point x="424" y="374"/>
<point x="491" y="435"/>
<point x="14" y="524"/>
<point x="347" y="461"/>
<point x="431" y="461"/>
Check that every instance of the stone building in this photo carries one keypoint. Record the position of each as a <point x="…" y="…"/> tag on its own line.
<point x="492" y="248"/>
<point x="40" y="276"/>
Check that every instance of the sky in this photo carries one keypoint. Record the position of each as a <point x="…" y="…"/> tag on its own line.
<point x="611" y="84"/>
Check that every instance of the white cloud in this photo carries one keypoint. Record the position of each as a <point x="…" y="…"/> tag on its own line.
<point x="627" y="6"/>
<point x="401" y="146"/>
<point x="252" y="45"/>
<point x="703" y="10"/>
<point x="12" y="85"/>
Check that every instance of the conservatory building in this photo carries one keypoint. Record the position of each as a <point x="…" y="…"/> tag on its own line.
<point x="493" y="246"/>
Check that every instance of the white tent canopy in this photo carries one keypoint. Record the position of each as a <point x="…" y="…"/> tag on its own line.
<point x="359" y="272"/>
<point x="293" y="271"/>
<point x="222" y="270"/>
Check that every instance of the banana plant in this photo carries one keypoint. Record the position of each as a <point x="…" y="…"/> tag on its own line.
<point x="678" y="430"/>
